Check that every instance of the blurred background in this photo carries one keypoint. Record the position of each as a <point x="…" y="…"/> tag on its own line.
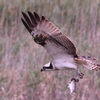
<point x="21" y="58"/>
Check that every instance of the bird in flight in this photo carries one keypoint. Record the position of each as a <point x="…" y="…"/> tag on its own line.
<point x="60" y="48"/>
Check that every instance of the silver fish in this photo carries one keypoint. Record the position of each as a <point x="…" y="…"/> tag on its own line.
<point x="72" y="85"/>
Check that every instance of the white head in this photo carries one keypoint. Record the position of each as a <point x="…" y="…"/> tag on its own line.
<point x="47" y="65"/>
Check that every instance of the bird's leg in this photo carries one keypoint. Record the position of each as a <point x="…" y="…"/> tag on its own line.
<point x="75" y="75"/>
<point x="79" y="74"/>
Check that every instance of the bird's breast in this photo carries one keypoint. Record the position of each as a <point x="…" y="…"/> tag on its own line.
<point x="64" y="63"/>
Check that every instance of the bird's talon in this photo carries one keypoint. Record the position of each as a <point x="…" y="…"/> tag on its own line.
<point x="76" y="80"/>
<point x="81" y="75"/>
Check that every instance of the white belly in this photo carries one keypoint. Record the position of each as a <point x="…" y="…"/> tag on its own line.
<point x="64" y="62"/>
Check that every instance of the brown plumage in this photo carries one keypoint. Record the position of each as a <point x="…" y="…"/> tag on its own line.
<point x="47" y="31"/>
<point x="60" y="48"/>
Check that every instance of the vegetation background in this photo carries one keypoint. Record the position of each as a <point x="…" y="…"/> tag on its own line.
<point x="21" y="59"/>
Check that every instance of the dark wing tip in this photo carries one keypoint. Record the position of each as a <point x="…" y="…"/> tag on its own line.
<point x="25" y="24"/>
<point x="28" y="11"/>
<point x="43" y="18"/>
<point x="36" y="17"/>
<point x="32" y="17"/>
<point x="27" y="19"/>
<point x="35" y="13"/>
<point x="23" y="14"/>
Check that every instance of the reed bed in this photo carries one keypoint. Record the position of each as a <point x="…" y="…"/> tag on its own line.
<point x="21" y="59"/>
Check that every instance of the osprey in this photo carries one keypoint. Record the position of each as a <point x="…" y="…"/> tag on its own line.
<point x="59" y="47"/>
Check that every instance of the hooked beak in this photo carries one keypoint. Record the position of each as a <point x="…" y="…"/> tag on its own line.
<point x="43" y="69"/>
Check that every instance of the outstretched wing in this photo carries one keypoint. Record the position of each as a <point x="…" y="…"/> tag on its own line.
<point x="48" y="35"/>
<point x="89" y="64"/>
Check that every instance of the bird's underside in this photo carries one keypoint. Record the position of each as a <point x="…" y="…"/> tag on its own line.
<point x="59" y="47"/>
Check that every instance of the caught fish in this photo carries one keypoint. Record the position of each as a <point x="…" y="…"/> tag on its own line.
<point x="72" y="85"/>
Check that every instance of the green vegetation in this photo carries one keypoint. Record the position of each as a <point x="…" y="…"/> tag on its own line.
<point x="21" y="59"/>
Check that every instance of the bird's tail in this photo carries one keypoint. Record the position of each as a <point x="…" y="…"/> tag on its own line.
<point x="88" y="63"/>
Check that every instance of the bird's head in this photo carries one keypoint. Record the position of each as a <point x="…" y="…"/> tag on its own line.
<point x="47" y="67"/>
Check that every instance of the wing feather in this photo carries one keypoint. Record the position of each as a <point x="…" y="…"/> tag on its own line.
<point x="66" y="43"/>
<point x="32" y="18"/>
<point x="37" y="17"/>
<point x="27" y="27"/>
<point x="47" y="34"/>
<point x="29" y="23"/>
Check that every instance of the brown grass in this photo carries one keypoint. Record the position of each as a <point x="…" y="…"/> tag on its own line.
<point x="21" y="59"/>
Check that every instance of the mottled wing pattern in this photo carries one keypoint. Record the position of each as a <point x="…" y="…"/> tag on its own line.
<point x="65" y="42"/>
<point x="43" y="31"/>
<point x="33" y="22"/>
<point x="89" y="64"/>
